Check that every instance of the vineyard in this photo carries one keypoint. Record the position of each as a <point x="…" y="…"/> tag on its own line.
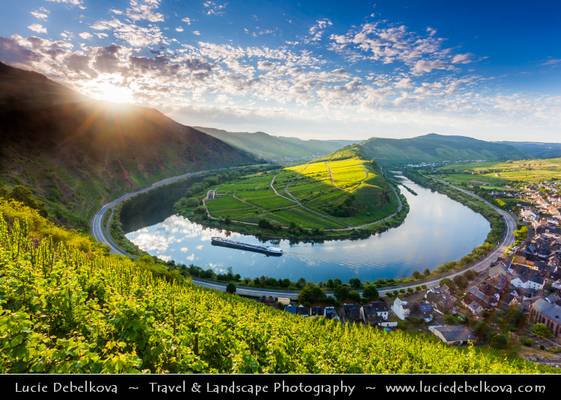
<point x="66" y="305"/>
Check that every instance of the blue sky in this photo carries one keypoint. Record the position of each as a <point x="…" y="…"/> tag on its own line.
<point x="313" y="69"/>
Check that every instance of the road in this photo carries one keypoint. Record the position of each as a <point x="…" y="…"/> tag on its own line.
<point x="101" y="233"/>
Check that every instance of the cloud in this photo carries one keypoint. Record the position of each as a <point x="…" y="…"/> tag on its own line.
<point x="461" y="59"/>
<point x="186" y="20"/>
<point x="11" y="52"/>
<point x="316" y="31"/>
<point x="145" y="10"/>
<point x="214" y="7"/>
<point x="77" y="3"/>
<point x="552" y="61"/>
<point x="135" y="35"/>
<point x="38" y="28"/>
<point x="426" y="66"/>
<point x="385" y="43"/>
<point x="85" y="35"/>
<point x="378" y="75"/>
<point x="41" y="14"/>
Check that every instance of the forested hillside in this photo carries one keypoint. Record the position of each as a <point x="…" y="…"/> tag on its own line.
<point x="73" y="153"/>
<point x="277" y="148"/>
<point x="68" y="306"/>
<point x="436" y="148"/>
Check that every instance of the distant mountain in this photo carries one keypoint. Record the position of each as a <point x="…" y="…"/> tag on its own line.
<point x="74" y="153"/>
<point x="277" y="148"/>
<point x="536" y="149"/>
<point x="436" y="148"/>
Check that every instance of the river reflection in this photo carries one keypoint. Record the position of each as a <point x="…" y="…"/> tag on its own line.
<point x="436" y="230"/>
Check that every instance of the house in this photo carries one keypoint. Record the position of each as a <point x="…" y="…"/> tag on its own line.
<point x="290" y="308"/>
<point x="401" y="308"/>
<point x="530" y="282"/>
<point x="453" y="334"/>
<point x="548" y="314"/>
<point x="317" y="311"/>
<point x="351" y="313"/>
<point x="376" y="313"/>
<point x="498" y="269"/>
<point x="426" y="310"/>
<point x="475" y="308"/>
<point x="526" y="278"/>
<point x="303" y="311"/>
<point x="331" y="313"/>
<point x="285" y="301"/>
<point x="474" y="294"/>
<point x="442" y="300"/>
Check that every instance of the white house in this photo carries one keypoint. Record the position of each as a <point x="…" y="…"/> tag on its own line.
<point x="535" y="283"/>
<point x="401" y="308"/>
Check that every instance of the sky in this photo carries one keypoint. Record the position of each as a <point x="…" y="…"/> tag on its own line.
<point x="325" y="69"/>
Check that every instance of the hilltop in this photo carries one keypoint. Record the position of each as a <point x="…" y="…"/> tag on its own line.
<point x="436" y="148"/>
<point x="334" y="196"/>
<point x="277" y="148"/>
<point x="73" y="153"/>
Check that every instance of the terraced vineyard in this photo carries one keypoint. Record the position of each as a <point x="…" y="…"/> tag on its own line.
<point x="336" y="193"/>
<point x="67" y="306"/>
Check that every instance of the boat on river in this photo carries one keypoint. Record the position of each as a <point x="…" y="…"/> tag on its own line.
<point x="267" y="250"/>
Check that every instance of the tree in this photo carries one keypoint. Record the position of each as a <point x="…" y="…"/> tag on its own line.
<point x="499" y="341"/>
<point x="231" y="288"/>
<point x="541" y="330"/>
<point x="370" y="293"/>
<point x="355" y="283"/>
<point x="311" y="294"/>
<point x="461" y="281"/>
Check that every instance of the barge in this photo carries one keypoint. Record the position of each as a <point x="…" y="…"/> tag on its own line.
<point x="267" y="250"/>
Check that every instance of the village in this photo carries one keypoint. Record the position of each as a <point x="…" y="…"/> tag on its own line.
<point x="516" y="303"/>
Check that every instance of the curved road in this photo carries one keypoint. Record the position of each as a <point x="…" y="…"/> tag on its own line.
<point x="100" y="232"/>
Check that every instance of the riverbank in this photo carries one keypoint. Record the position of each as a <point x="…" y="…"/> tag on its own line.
<point x="289" y="289"/>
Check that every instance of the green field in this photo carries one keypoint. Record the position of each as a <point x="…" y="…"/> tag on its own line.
<point x="503" y="173"/>
<point x="501" y="182"/>
<point x="336" y="193"/>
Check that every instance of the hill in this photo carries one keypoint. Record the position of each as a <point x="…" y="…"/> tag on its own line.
<point x="326" y="197"/>
<point x="73" y="153"/>
<point x="277" y="148"/>
<point x="68" y="307"/>
<point x="436" y="148"/>
<point x="537" y="149"/>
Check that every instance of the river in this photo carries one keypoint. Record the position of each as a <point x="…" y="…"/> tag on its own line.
<point x="436" y="230"/>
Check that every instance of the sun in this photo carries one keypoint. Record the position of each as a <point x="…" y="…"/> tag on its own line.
<point x="107" y="91"/>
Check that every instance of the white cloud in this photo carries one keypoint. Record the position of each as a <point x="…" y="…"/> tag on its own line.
<point x="136" y="36"/>
<point x="179" y="29"/>
<point x="85" y="35"/>
<point x="77" y="3"/>
<point x="316" y="31"/>
<point x="42" y="14"/>
<point x="140" y="10"/>
<point x="415" y="83"/>
<point x="461" y="59"/>
<point x="186" y="20"/>
<point x="38" y="28"/>
<point x="214" y="7"/>
<point x="384" y="43"/>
